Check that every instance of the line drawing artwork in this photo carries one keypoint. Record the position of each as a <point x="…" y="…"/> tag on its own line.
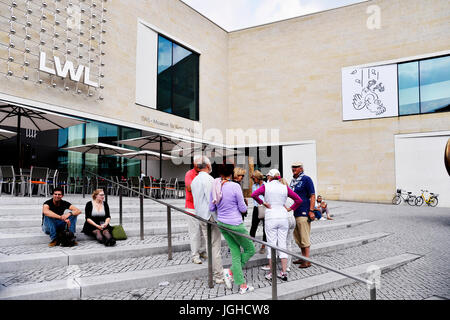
<point x="370" y="95"/>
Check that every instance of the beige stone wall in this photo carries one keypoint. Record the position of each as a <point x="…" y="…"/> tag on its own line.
<point x="290" y="72"/>
<point x="171" y="16"/>
<point x="284" y="75"/>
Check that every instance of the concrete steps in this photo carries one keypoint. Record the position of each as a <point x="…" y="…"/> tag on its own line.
<point x="60" y="257"/>
<point x="79" y="287"/>
<point x="299" y="289"/>
<point x="31" y="270"/>
<point x="34" y="235"/>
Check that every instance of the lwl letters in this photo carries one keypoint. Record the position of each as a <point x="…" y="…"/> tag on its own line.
<point x="68" y="67"/>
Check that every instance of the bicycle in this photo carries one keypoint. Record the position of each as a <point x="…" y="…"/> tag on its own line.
<point x="432" y="200"/>
<point x="408" y="197"/>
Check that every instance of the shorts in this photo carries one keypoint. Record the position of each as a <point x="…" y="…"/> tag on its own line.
<point x="302" y="232"/>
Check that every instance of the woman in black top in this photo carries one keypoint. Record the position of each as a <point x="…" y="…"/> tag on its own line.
<point x="98" y="218"/>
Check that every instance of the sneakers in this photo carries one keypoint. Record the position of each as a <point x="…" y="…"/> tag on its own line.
<point x="265" y="268"/>
<point x="262" y="250"/>
<point x="53" y="243"/>
<point x="219" y="280"/>
<point x="245" y="290"/>
<point x="288" y="269"/>
<point x="227" y="277"/>
<point x="268" y="276"/>
<point x="196" y="260"/>
<point x="282" y="276"/>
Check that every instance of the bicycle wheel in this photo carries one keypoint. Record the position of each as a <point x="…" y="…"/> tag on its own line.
<point x="411" y="200"/>
<point x="397" y="199"/>
<point x="433" y="202"/>
<point x="419" y="201"/>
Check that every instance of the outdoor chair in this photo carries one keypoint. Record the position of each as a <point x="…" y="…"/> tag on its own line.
<point x="135" y="184"/>
<point x="181" y="189"/>
<point x="113" y="188"/>
<point x="170" y="188"/>
<point x="155" y="188"/>
<point x="9" y="178"/>
<point x="51" y="180"/>
<point x="61" y="181"/>
<point x="72" y="185"/>
<point x="123" y="183"/>
<point x="147" y="185"/>
<point x="39" y="177"/>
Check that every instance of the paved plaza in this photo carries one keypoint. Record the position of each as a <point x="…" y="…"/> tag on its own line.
<point x="422" y="231"/>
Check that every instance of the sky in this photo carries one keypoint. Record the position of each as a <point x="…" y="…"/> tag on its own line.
<point x="239" y="14"/>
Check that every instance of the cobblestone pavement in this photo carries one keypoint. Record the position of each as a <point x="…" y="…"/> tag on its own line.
<point x="422" y="231"/>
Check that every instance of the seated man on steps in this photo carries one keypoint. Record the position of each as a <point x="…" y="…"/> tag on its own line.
<point x="54" y="218"/>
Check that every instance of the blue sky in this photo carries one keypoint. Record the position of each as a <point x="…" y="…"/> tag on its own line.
<point x="238" y="14"/>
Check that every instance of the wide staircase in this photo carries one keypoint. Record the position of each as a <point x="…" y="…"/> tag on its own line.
<point x="140" y="269"/>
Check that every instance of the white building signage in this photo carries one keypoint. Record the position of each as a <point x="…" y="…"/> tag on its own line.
<point x="61" y="71"/>
<point x="370" y="92"/>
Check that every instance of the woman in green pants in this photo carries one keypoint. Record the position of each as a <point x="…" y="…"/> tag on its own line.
<point x="228" y="201"/>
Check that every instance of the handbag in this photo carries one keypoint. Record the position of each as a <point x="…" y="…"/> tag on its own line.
<point x="65" y="237"/>
<point x="118" y="232"/>
<point x="261" y="211"/>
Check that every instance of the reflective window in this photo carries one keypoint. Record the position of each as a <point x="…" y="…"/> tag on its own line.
<point x="178" y="74"/>
<point x="408" y="88"/>
<point x="435" y="85"/>
<point x="164" y="96"/>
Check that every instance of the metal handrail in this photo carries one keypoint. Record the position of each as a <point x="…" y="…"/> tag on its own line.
<point x="371" y="284"/>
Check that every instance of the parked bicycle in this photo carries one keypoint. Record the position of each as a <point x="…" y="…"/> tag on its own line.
<point x="405" y="196"/>
<point x="431" y="200"/>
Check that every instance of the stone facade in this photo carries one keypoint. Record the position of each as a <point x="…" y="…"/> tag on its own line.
<point x="284" y="75"/>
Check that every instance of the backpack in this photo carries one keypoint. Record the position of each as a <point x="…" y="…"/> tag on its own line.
<point x="65" y="237"/>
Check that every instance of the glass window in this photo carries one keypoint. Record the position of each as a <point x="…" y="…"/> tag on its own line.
<point x="408" y="88"/>
<point x="177" y="79"/>
<point x="164" y="96"/>
<point x="435" y="85"/>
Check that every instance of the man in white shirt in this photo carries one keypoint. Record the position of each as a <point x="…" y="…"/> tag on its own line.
<point x="201" y="191"/>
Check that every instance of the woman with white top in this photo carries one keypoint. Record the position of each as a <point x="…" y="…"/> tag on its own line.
<point x="98" y="219"/>
<point x="276" y="192"/>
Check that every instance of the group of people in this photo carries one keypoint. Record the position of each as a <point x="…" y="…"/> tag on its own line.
<point x="58" y="214"/>
<point x="221" y="200"/>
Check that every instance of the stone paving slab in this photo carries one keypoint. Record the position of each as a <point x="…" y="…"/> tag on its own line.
<point x="112" y="268"/>
<point x="421" y="231"/>
<point x="294" y="290"/>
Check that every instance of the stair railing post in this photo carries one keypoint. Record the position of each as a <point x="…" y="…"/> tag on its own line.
<point x="210" y="266"/>
<point x="120" y="205"/>
<point x="273" y="269"/>
<point x="141" y="206"/>
<point x="373" y="291"/>
<point x="169" y="233"/>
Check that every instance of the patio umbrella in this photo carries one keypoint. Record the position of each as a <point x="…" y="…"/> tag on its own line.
<point x="211" y="150"/>
<point x="102" y="149"/>
<point x="5" y="134"/>
<point x="21" y="116"/>
<point x="159" y="143"/>
<point x="145" y="155"/>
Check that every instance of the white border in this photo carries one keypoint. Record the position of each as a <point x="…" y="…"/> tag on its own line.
<point x="158" y="30"/>
<point x="400" y="60"/>
<point x="421" y="134"/>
